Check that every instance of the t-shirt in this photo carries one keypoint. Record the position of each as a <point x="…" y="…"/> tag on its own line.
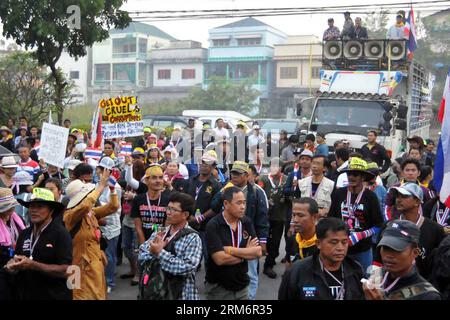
<point x="334" y="282"/>
<point x="156" y="214"/>
<point x="314" y="187"/>
<point x="367" y="215"/>
<point x="218" y="235"/>
<point x="54" y="246"/>
<point x="431" y="235"/>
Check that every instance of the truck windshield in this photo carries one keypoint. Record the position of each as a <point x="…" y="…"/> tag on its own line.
<point x="347" y="116"/>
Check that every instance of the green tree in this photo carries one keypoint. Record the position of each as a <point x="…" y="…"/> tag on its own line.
<point x="26" y="88"/>
<point x="222" y="95"/>
<point x="48" y="27"/>
<point x="376" y="24"/>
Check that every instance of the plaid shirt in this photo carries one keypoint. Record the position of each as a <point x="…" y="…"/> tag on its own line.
<point x="188" y="256"/>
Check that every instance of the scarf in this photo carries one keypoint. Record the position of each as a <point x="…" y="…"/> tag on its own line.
<point x="303" y="244"/>
<point x="5" y="235"/>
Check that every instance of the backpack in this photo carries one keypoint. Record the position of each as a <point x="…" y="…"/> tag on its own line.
<point x="157" y="284"/>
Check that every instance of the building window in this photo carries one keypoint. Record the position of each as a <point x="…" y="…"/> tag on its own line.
<point x="288" y="72"/>
<point x="142" y="74"/>
<point x="124" y="47"/>
<point x="102" y="72"/>
<point x="164" y="74"/>
<point x="249" y="42"/>
<point x="188" y="74"/>
<point x="74" y="74"/>
<point x="124" y="73"/>
<point x="315" y="72"/>
<point x="221" y="43"/>
<point x="142" y="45"/>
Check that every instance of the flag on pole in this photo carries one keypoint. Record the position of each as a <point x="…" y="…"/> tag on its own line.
<point x="96" y="129"/>
<point x="50" y="120"/>
<point x="411" y="32"/>
<point x="442" y="164"/>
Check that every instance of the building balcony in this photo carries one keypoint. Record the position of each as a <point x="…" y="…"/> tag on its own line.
<point x="130" y="55"/>
<point x="238" y="81"/>
<point x="115" y="83"/>
<point x="244" y="53"/>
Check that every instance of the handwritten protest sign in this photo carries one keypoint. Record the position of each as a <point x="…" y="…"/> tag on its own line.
<point x="121" y="117"/>
<point x="53" y="144"/>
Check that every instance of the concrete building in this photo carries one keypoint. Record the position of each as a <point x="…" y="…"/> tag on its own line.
<point x="79" y="72"/>
<point x="178" y="67"/>
<point x="297" y="63"/>
<point x="121" y="63"/>
<point x="243" y="51"/>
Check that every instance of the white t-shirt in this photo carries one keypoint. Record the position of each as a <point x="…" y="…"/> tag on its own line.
<point x="220" y="133"/>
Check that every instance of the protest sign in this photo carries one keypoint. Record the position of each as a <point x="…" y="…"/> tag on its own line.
<point x="53" y="144"/>
<point x="121" y="117"/>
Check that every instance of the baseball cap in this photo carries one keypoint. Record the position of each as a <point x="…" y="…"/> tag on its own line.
<point x="410" y="189"/>
<point x="307" y="153"/>
<point x="147" y="130"/>
<point x="256" y="127"/>
<point x="399" y="234"/>
<point x="417" y="139"/>
<point x="240" y="167"/>
<point x="106" y="163"/>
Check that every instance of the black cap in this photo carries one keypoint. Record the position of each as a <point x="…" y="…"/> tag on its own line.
<point x="347" y="12"/>
<point x="399" y="234"/>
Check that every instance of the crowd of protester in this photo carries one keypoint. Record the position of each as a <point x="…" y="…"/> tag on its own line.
<point x="357" y="224"/>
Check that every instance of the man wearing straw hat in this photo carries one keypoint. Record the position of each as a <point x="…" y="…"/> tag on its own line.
<point x="43" y="251"/>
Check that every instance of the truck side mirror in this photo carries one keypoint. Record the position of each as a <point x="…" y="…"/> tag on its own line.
<point x="299" y="109"/>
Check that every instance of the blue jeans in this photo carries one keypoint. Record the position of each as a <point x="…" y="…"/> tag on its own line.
<point x="253" y="274"/>
<point x="111" y="254"/>
<point x="129" y="242"/>
<point x="364" y="258"/>
<point x="204" y="248"/>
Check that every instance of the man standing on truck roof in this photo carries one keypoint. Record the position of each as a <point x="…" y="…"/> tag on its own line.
<point x="376" y="152"/>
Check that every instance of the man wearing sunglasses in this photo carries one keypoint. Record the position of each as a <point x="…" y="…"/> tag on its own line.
<point x="360" y="209"/>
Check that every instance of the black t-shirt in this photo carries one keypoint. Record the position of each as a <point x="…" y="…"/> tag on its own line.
<point x="334" y="283"/>
<point x="314" y="187"/>
<point x="155" y="215"/>
<point x="367" y="215"/>
<point x="54" y="246"/>
<point x="431" y="235"/>
<point x="218" y="235"/>
<point x="203" y="193"/>
<point x="295" y="250"/>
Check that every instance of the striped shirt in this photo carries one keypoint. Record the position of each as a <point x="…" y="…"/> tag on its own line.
<point x="113" y="226"/>
<point x="30" y="166"/>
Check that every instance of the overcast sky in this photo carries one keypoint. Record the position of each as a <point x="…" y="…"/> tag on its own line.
<point x="291" y="25"/>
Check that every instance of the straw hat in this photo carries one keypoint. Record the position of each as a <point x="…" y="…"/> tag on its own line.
<point x="5" y="128"/>
<point x="42" y="195"/>
<point x="8" y="162"/>
<point x="76" y="191"/>
<point x="7" y="200"/>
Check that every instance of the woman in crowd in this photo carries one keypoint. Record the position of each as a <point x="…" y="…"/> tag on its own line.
<point x="8" y="168"/>
<point x="7" y="138"/>
<point x="10" y="227"/>
<point x="81" y="219"/>
<point x="173" y="179"/>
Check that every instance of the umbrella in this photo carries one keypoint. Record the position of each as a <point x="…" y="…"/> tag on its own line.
<point x="4" y="152"/>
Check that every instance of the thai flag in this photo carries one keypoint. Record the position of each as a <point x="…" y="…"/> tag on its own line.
<point x="411" y="32"/>
<point x="93" y="153"/>
<point x="126" y="149"/>
<point x="442" y="164"/>
<point x="96" y="129"/>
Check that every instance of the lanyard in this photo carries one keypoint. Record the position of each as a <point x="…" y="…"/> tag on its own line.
<point x="352" y="208"/>
<point x="14" y="236"/>
<point x="340" y="296"/>
<point x="442" y="217"/>
<point x="172" y="236"/>
<point x="150" y="206"/>
<point x="235" y="242"/>
<point x="198" y="189"/>
<point x="391" y="285"/>
<point x="418" y="222"/>
<point x="272" y="183"/>
<point x="32" y="245"/>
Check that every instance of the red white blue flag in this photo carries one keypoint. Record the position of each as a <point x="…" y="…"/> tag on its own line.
<point x="126" y="149"/>
<point x="93" y="153"/>
<point x="441" y="178"/>
<point x="410" y="30"/>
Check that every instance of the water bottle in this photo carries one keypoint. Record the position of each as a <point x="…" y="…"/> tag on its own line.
<point x="197" y="214"/>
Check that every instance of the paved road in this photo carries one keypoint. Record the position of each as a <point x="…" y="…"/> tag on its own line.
<point x="268" y="288"/>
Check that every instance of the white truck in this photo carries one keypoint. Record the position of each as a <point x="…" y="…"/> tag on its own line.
<point x="396" y="103"/>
